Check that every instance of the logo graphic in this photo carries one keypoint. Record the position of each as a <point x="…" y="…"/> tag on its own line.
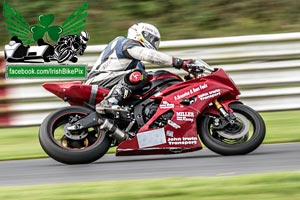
<point x="185" y="116"/>
<point x="18" y="26"/>
<point x="166" y="105"/>
<point x="69" y="38"/>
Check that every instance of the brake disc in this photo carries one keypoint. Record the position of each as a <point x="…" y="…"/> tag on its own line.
<point x="244" y="130"/>
<point x="74" y="135"/>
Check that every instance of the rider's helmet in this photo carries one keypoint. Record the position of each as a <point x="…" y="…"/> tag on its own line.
<point x="84" y="37"/>
<point x="147" y="34"/>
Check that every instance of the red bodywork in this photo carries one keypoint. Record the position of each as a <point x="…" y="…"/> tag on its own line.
<point x="75" y="92"/>
<point x="180" y="134"/>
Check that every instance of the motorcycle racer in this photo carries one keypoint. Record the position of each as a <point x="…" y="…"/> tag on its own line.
<point x="120" y="68"/>
<point x="73" y="42"/>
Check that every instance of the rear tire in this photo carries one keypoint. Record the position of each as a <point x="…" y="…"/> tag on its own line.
<point x="92" y="146"/>
<point x="252" y="132"/>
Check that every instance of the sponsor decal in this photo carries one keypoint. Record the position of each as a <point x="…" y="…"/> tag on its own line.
<point x="151" y="138"/>
<point x="150" y="30"/>
<point x="173" y="124"/>
<point x="185" y="116"/>
<point x="157" y="94"/>
<point x="210" y="94"/>
<point x="170" y="133"/>
<point x="181" y="96"/>
<point x="166" y="105"/>
<point x="191" y="91"/>
<point x="182" y="140"/>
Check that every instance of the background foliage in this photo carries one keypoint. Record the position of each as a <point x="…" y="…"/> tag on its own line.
<point x="176" y="19"/>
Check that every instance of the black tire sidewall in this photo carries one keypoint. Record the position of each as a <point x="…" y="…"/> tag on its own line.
<point x="65" y="55"/>
<point x="236" y="149"/>
<point x="69" y="156"/>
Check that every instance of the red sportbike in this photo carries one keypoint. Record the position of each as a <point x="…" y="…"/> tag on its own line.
<point x="168" y="115"/>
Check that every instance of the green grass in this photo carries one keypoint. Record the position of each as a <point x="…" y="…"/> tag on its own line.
<point x="22" y="143"/>
<point x="275" y="186"/>
<point x="282" y="126"/>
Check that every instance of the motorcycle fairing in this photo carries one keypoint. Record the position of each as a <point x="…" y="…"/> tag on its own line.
<point x="166" y="140"/>
<point x="186" y="100"/>
<point x="218" y="77"/>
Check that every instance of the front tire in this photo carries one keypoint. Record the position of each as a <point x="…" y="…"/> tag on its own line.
<point x="82" y="147"/>
<point x="231" y="140"/>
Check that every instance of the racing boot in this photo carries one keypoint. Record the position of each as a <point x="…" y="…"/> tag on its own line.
<point x="110" y="104"/>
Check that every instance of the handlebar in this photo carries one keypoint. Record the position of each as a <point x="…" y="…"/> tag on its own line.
<point x="197" y="68"/>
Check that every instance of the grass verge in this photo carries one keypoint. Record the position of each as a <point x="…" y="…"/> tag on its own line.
<point x="22" y="143"/>
<point x="275" y="186"/>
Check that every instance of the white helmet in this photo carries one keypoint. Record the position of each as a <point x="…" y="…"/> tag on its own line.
<point x="84" y="36"/>
<point x="147" y="34"/>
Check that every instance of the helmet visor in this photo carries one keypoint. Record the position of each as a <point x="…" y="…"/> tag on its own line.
<point x="84" y="37"/>
<point x="152" y="39"/>
<point x="83" y="40"/>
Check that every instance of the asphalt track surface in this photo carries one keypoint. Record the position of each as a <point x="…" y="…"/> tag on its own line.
<point x="267" y="158"/>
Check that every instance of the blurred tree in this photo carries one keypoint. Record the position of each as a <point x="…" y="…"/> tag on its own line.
<point x="176" y="19"/>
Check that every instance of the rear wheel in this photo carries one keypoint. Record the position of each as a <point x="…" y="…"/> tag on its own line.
<point x="76" y="147"/>
<point x="242" y="137"/>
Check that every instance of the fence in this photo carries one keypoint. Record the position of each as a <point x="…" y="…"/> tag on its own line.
<point x="265" y="67"/>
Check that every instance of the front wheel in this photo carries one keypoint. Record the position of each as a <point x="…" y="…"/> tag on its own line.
<point x="242" y="137"/>
<point x="75" y="147"/>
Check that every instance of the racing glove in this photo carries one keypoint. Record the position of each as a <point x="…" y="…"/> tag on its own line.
<point x="181" y="64"/>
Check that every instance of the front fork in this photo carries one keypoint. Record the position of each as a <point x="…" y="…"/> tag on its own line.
<point x="227" y="118"/>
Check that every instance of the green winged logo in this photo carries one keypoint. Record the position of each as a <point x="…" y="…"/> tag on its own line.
<point x="29" y="34"/>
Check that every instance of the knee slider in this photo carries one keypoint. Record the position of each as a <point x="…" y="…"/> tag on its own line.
<point x="135" y="77"/>
<point x="134" y="80"/>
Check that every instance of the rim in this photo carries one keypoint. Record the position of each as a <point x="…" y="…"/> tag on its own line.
<point x="77" y="140"/>
<point x="240" y="132"/>
<point x="65" y="54"/>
